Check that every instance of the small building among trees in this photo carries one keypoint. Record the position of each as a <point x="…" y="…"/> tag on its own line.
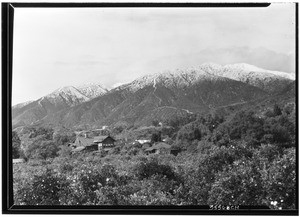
<point x="19" y="160"/>
<point x="142" y="141"/>
<point x="159" y="148"/>
<point x="92" y="147"/>
<point x="92" y="144"/>
<point x="104" y="142"/>
<point x="81" y="141"/>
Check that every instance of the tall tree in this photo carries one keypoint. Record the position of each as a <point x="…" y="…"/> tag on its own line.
<point x="16" y="145"/>
<point x="276" y="110"/>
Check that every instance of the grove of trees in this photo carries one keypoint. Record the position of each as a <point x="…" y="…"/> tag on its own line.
<point x="246" y="158"/>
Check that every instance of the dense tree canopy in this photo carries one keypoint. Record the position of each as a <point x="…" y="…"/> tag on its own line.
<point x="245" y="158"/>
<point x="16" y="145"/>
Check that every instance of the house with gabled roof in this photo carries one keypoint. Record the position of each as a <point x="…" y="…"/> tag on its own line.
<point x="78" y="149"/>
<point x="83" y="144"/>
<point x="104" y="142"/>
<point x="83" y="141"/>
<point x="92" y="144"/>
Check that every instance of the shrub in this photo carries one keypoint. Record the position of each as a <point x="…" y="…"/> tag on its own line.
<point x="279" y="130"/>
<point x="276" y="110"/>
<point x="192" y="131"/>
<point x="152" y="167"/>
<point x="46" y="149"/>
<point x="47" y="133"/>
<point x="66" y="167"/>
<point x="156" y="137"/>
<point x="204" y="146"/>
<point x="155" y="123"/>
<point x="240" y="184"/>
<point x="243" y="124"/>
<point x="16" y="145"/>
<point x="45" y="189"/>
<point x="62" y="139"/>
<point x="64" y="151"/>
<point x="280" y="180"/>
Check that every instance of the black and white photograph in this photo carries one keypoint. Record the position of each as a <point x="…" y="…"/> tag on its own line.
<point x="151" y="106"/>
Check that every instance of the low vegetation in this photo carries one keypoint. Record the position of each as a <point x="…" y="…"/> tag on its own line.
<point x="248" y="158"/>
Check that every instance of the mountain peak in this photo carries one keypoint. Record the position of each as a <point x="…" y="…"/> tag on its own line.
<point x="172" y="78"/>
<point x="92" y="90"/>
<point x="19" y="105"/>
<point x="91" y="84"/>
<point x="265" y="79"/>
<point x="65" y="89"/>
<point x="88" y="90"/>
<point x="74" y="95"/>
<point x="67" y="95"/>
<point x="251" y="68"/>
<point x="192" y="89"/>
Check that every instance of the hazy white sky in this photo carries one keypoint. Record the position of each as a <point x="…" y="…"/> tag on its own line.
<point x="63" y="46"/>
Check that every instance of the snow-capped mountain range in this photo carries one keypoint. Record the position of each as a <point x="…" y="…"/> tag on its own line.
<point x="265" y="79"/>
<point x="195" y="89"/>
<point x="178" y="78"/>
<point x="91" y="90"/>
<point x="60" y="99"/>
<point x="74" y="95"/>
<point x="20" y="105"/>
<point x="243" y="67"/>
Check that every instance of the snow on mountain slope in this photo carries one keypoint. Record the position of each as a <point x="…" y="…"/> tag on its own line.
<point x="176" y="78"/>
<point x="60" y="99"/>
<point x="20" y="105"/>
<point x="91" y="90"/>
<point x="251" y="68"/>
<point x="241" y="69"/>
<point x="270" y="81"/>
<point x="74" y="95"/>
<point x="267" y="80"/>
<point x="190" y="91"/>
<point x="194" y="89"/>
<point x="69" y="95"/>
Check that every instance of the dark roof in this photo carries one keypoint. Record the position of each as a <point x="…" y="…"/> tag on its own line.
<point x="93" y="144"/>
<point x="78" y="149"/>
<point x="159" y="145"/>
<point x="81" y="141"/>
<point x="102" y="138"/>
<point x="99" y="138"/>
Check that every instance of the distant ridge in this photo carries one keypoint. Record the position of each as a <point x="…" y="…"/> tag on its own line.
<point x="191" y="90"/>
<point x="267" y="80"/>
<point x="61" y="98"/>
